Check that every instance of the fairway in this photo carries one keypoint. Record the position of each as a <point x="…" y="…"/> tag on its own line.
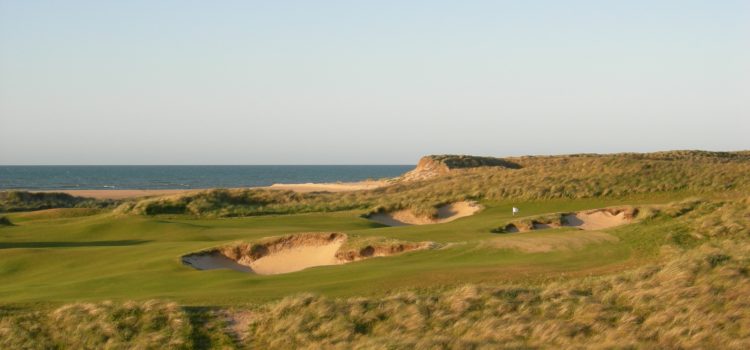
<point x="62" y="255"/>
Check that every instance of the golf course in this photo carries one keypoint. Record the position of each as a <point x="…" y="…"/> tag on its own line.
<point x="641" y="250"/>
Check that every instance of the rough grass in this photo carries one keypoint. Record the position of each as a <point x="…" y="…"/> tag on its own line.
<point x="12" y="201"/>
<point x="539" y="178"/>
<point x="694" y="298"/>
<point x="106" y="325"/>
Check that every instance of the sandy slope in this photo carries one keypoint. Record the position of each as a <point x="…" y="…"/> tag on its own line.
<point x="446" y="213"/>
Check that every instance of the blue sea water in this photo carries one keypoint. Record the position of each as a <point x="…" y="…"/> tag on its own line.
<point x="184" y="176"/>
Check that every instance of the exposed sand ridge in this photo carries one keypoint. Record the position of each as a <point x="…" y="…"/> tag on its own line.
<point x="446" y="213"/>
<point x="296" y="252"/>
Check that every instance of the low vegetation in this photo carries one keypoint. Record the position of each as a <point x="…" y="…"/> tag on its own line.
<point x="12" y="201"/>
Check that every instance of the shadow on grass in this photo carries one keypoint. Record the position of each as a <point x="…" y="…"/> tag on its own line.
<point x="52" y="244"/>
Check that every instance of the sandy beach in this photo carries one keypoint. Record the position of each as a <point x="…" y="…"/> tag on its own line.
<point x="303" y="188"/>
<point x="330" y="187"/>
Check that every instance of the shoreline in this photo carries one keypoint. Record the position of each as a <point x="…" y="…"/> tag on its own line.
<point x="135" y="193"/>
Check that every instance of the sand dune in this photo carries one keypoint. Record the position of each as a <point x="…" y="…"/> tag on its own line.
<point x="446" y="213"/>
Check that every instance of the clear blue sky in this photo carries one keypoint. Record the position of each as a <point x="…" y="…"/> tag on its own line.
<point x="367" y="82"/>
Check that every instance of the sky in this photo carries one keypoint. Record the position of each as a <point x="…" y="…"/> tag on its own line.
<point x="367" y="82"/>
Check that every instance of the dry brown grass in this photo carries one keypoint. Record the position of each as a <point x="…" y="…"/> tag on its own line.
<point x="106" y="325"/>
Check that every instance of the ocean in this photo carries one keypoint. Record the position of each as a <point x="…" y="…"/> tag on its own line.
<point x="85" y="177"/>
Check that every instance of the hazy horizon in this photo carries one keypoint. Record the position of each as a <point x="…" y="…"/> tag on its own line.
<point x="335" y="82"/>
<point x="414" y="163"/>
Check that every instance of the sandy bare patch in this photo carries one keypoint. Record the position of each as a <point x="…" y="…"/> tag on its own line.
<point x="238" y="322"/>
<point x="547" y="243"/>
<point x="330" y="187"/>
<point x="295" y="253"/>
<point x="446" y="213"/>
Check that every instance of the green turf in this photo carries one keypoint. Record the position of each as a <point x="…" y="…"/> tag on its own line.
<point x="56" y="258"/>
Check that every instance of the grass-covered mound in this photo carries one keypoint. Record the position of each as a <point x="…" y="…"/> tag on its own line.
<point x="538" y="178"/>
<point x="12" y="201"/>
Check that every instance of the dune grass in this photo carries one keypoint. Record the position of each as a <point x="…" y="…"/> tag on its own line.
<point x="12" y="201"/>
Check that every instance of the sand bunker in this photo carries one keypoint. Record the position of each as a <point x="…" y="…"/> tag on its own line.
<point x="446" y="213"/>
<point x="597" y="219"/>
<point x="294" y="253"/>
<point x="297" y="258"/>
